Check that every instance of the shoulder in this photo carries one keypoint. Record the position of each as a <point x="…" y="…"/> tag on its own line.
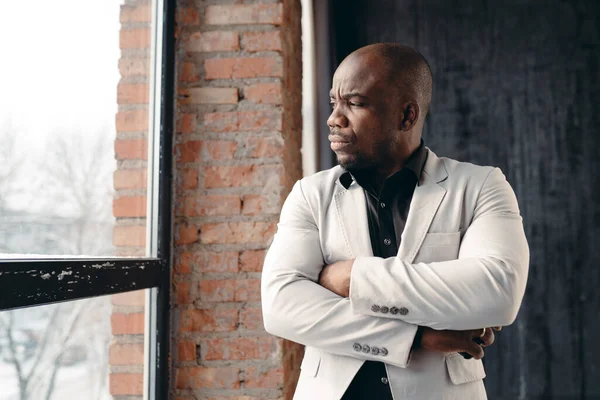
<point x="323" y="181"/>
<point x="466" y="171"/>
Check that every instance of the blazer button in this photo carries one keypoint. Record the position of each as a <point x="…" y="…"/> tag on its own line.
<point x="375" y="351"/>
<point x="375" y="308"/>
<point x="383" y="351"/>
<point x="357" y="347"/>
<point x="384" y="310"/>
<point x="394" y="310"/>
<point x="403" y="311"/>
<point x="366" y="349"/>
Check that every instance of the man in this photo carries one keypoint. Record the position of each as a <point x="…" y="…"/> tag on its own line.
<point x="390" y="266"/>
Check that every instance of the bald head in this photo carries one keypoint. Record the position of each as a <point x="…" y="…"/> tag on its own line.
<point x="401" y="66"/>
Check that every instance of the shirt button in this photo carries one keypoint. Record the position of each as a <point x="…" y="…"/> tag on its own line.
<point x="384" y="380"/>
<point x="382" y="204"/>
<point x="387" y="241"/>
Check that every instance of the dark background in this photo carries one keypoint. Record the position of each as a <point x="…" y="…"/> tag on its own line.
<point x="516" y="85"/>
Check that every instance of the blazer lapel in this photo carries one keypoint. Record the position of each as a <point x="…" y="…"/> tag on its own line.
<point x="351" y="209"/>
<point x="426" y="200"/>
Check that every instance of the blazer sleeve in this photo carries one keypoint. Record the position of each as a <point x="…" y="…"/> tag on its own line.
<point x="297" y="308"/>
<point x="484" y="287"/>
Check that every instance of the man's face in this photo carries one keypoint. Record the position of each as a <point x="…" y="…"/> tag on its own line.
<point x="364" y="117"/>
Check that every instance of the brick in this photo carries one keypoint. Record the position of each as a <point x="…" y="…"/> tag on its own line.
<point x="130" y="179"/>
<point x="131" y="67"/>
<point x="247" y="290"/>
<point x="262" y="41"/>
<point x="243" y="67"/>
<point x="208" y="96"/>
<point x="132" y="121"/>
<point x="244" y="14"/>
<point x="217" y="290"/>
<point x="186" y="234"/>
<point x="188" y="151"/>
<point x="127" y="324"/>
<point x="136" y="13"/>
<point x="129" y="206"/>
<point x="186" y="350"/>
<point x="223" y="320"/>
<point x="131" y="149"/>
<point x="252" y="260"/>
<point x="138" y="38"/>
<point x="188" y="73"/>
<point x="213" y="41"/>
<point x="129" y="235"/>
<point x="202" y="377"/>
<point x="187" y="16"/>
<point x="126" y="354"/>
<point x="188" y="178"/>
<point x="243" y="121"/>
<point x="237" y="232"/>
<point x="264" y="93"/>
<point x="251" y="318"/>
<point x="132" y="93"/>
<point x="247" y="348"/>
<point x="260" y="205"/>
<point x="259" y="147"/>
<point x="264" y="377"/>
<point x="135" y="298"/>
<point x="202" y="205"/>
<point x="183" y="292"/>
<point x="220" y="149"/>
<point x="126" y="384"/>
<point x="186" y="123"/>
<point x="242" y="175"/>
<point x="206" y="262"/>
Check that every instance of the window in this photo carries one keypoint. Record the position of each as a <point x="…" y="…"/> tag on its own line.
<point x="85" y="175"/>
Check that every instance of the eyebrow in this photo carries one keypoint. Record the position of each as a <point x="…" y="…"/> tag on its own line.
<point x="349" y="95"/>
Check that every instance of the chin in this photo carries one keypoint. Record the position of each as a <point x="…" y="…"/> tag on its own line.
<point x="351" y="163"/>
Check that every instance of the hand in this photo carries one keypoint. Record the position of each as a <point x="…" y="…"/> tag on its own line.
<point x="448" y="341"/>
<point x="336" y="277"/>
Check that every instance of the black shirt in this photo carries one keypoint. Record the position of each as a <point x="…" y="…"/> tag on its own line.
<point x="387" y="212"/>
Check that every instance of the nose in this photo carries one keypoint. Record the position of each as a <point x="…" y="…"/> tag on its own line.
<point x="337" y="119"/>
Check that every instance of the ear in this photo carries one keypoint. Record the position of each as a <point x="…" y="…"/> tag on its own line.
<point x="410" y="116"/>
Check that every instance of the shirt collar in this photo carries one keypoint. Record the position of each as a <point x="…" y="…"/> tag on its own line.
<point x="415" y="163"/>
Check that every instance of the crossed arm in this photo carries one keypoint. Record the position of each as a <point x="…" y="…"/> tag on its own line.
<point x="482" y="288"/>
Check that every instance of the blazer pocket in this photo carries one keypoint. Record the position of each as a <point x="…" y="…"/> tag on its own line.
<point x="439" y="247"/>
<point x="311" y="361"/>
<point x="462" y="370"/>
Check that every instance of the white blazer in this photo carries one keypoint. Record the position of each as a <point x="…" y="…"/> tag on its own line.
<point x="462" y="264"/>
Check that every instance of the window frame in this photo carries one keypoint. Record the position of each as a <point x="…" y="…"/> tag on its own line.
<point x="36" y="282"/>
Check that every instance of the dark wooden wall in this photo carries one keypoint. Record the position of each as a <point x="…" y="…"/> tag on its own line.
<point x="517" y="85"/>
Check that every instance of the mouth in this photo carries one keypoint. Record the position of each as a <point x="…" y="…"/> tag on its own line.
<point x="337" y="143"/>
<point x="337" y="146"/>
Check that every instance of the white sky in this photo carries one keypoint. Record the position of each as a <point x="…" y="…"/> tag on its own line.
<point x="59" y="64"/>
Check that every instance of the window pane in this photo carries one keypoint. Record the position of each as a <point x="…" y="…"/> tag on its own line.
<point x="74" y="127"/>
<point x="86" y="349"/>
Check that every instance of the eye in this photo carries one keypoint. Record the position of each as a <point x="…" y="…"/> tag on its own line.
<point x="355" y="104"/>
<point x="332" y="104"/>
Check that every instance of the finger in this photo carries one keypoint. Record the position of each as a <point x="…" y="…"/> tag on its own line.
<point x="475" y="350"/>
<point x="497" y="328"/>
<point x="488" y="338"/>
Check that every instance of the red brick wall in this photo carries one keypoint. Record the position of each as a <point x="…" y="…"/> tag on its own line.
<point x="126" y="352"/>
<point x="237" y="154"/>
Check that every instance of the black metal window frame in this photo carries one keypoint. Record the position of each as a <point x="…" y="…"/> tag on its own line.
<point x="35" y="282"/>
